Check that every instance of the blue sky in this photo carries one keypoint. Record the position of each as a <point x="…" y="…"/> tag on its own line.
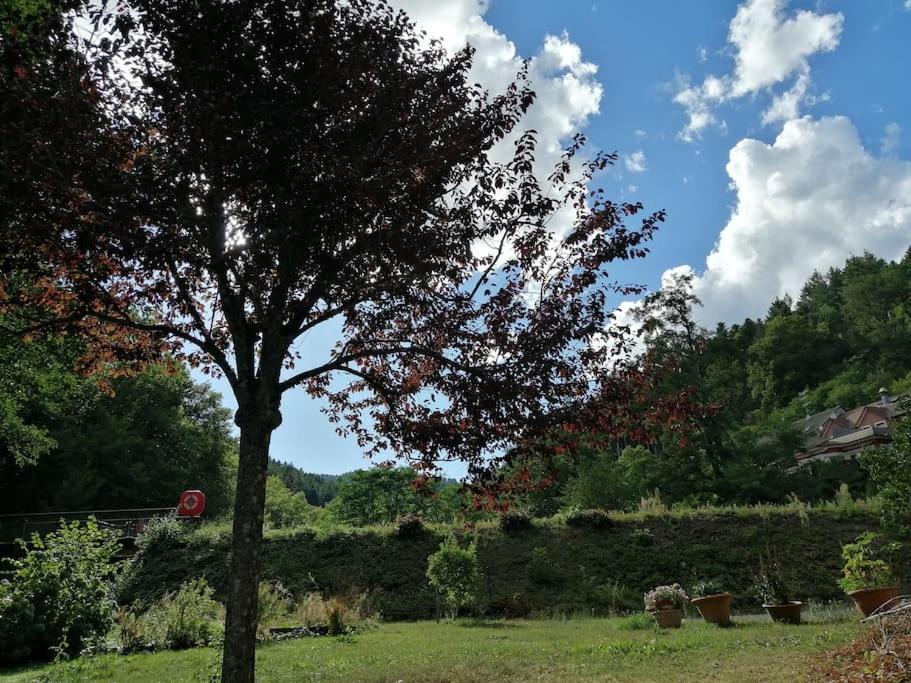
<point x="777" y="135"/>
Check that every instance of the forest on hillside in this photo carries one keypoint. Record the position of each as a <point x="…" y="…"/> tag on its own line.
<point x="72" y="442"/>
<point x="845" y="335"/>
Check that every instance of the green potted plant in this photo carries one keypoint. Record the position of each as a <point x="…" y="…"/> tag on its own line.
<point x="867" y="578"/>
<point x="666" y="605"/>
<point x="713" y="602"/>
<point x="775" y="593"/>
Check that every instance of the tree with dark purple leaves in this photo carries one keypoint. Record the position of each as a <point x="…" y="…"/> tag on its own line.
<point x="215" y="180"/>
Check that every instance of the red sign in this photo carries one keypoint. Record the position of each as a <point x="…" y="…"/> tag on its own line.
<point x="192" y="503"/>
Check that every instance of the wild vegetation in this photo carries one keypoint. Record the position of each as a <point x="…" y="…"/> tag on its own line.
<point x="547" y="568"/>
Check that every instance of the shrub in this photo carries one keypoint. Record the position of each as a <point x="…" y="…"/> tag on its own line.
<point x="334" y="616"/>
<point x="185" y="618"/>
<point x="132" y="630"/>
<point x="409" y="526"/>
<point x="61" y="595"/>
<point x="161" y="533"/>
<point x="673" y="593"/>
<point x="652" y="504"/>
<point x="188" y="617"/>
<point x="589" y="519"/>
<point x="20" y="631"/>
<point x="273" y="606"/>
<point x="889" y="471"/>
<point x="454" y="572"/>
<point x="612" y="597"/>
<point x="862" y="568"/>
<point x="513" y="521"/>
<point x="772" y="586"/>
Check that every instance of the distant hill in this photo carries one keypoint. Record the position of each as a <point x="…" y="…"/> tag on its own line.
<point x="319" y="489"/>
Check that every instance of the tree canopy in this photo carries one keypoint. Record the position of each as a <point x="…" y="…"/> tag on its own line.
<point x="134" y="441"/>
<point x="218" y="179"/>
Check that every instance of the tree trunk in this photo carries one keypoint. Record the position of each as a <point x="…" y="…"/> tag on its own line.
<point x="239" y="656"/>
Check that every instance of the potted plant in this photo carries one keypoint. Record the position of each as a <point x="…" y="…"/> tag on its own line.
<point x="775" y="594"/>
<point x="867" y="578"/>
<point x="666" y="605"/>
<point x="713" y="603"/>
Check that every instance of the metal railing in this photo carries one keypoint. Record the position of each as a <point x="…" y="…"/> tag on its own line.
<point x="125" y="523"/>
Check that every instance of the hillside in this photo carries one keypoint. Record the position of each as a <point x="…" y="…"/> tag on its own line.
<point x="535" y="570"/>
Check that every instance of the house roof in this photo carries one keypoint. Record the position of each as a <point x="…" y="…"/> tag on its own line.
<point x="835" y="432"/>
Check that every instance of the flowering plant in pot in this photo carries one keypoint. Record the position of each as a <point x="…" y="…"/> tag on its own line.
<point x="867" y="578"/>
<point x="775" y="593"/>
<point x="713" y="602"/>
<point x="666" y="605"/>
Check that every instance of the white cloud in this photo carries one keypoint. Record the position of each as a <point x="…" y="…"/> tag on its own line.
<point x="769" y="48"/>
<point x="568" y="92"/>
<point x="786" y="106"/>
<point x="892" y="139"/>
<point x="809" y="200"/>
<point x="908" y="5"/>
<point x="635" y="162"/>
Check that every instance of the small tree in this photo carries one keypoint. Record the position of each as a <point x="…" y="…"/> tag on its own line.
<point x="455" y="573"/>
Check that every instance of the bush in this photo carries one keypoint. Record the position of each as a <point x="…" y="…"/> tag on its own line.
<point x="161" y="533"/>
<point x="889" y="471"/>
<point x="862" y="568"/>
<point x="61" y="595"/>
<point x="612" y="597"/>
<point x="333" y="616"/>
<point x="409" y="526"/>
<point x="188" y="617"/>
<point x="772" y="586"/>
<point x="132" y="630"/>
<point x="454" y="572"/>
<point x="652" y="504"/>
<point x="589" y="519"/>
<point x="513" y="521"/>
<point x="273" y="606"/>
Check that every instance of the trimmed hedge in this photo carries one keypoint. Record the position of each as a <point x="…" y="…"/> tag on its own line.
<point x="585" y="566"/>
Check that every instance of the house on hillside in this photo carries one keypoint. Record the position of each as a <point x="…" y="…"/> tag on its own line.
<point x="839" y="434"/>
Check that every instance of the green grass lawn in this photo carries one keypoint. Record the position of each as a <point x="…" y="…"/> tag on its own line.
<point x="584" y="649"/>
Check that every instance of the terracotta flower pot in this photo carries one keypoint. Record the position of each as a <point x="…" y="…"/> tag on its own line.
<point x="868" y="600"/>
<point x="664" y="603"/>
<point x="715" y="609"/>
<point x="785" y="614"/>
<point x="668" y="618"/>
